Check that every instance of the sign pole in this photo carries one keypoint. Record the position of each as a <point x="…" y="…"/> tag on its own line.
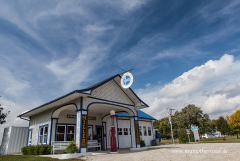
<point x="170" y="120"/>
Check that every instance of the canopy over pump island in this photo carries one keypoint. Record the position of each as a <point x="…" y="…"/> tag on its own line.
<point x="83" y="116"/>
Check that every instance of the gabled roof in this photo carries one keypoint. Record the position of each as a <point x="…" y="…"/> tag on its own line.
<point x="85" y="93"/>
<point x="140" y="113"/>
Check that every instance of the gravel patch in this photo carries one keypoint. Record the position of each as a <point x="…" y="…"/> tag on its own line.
<point x="204" y="151"/>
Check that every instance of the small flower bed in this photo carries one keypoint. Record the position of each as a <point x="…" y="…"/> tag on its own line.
<point x="72" y="148"/>
<point x="36" y="150"/>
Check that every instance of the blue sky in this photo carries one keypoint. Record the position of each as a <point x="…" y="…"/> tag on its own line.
<point x="182" y="52"/>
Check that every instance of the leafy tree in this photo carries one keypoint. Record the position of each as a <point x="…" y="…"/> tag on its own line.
<point x="234" y="122"/>
<point x="183" y="120"/>
<point x="222" y="125"/>
<point x="3" y="116"/>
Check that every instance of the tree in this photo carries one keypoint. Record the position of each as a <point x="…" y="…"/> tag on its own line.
<point x="189" y="115"/>
<point x="234" y="122"/>
<point x="193" y="115"/>
<point x="3" y="115"/>
<point x="222" y="125"/>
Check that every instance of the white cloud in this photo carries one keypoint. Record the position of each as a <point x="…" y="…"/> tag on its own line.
<point x="12" y="85"/>
<point x="213" y="86"/>
<point x="148" y="84"/>
<point x="72" y="72"/>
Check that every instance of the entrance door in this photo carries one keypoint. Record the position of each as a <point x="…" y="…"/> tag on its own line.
<point x="124" y="134"/>
<point x="99" y="135"/>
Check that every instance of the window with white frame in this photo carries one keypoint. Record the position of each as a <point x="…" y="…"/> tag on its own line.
<point x="119" y="131"/>
<point x="90" y="136"/>
<point x="61" y="133"/>
<point x="65" y="133"/>
<point x="43" y="131"/>
<point x="30" y="138"/>
<point x="149" y="131"/>
<point x="144" y="131"/>
<point x="70" y="133"/>
<point x="125" y="131"/>
<point x="140" y="129"/>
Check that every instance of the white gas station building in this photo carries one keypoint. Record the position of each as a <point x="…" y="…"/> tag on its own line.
<point x="84" y="115"/>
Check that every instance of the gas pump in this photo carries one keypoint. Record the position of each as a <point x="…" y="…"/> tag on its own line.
<point x="113" y="136"/>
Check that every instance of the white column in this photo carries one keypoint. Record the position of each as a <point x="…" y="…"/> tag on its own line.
<point x="78" y="130"/>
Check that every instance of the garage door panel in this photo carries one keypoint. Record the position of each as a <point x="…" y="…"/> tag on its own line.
<point x="124" y="133"/>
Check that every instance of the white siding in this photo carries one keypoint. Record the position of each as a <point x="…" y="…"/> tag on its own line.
<point x="147" y="138"/>
<point x="14" y="139"/>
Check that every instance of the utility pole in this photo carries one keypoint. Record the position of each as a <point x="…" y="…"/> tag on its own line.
<point x="170" y="120"/>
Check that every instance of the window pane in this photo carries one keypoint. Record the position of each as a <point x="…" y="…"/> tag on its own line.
<point x="40" y="139"/>
<point x="149" y="131"/>
<point x="144" y="130"/>
<point x="45" y="139"/>
<point x="70" y="137"/>
<point x="119" y="131"/>
<point x="60" y="137"/>
<point x="140" y="129"/>
<point x="70" y="129"/>
<point x="61" y="129"/>
<point x="89" y="132"/>
<point x="41" y="131"/>
<point x="45" y="130"/>
<point x="125" y="131"/>
<point x="30" y="134"/>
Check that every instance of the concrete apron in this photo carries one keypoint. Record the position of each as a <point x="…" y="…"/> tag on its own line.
<point x="67" y="156"/>
<point x="77" y="155"/>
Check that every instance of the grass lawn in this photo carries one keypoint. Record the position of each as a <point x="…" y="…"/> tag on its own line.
<point x="28" y="158"/>
<point x="229" y="139"/>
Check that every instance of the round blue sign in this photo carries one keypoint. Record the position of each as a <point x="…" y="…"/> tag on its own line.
<point x="127" y="80"/>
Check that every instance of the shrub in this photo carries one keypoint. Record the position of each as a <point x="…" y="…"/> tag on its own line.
<point x="72" y="148"/>
<point x="183" y="137"/>
<point x="191" y="137"/>
<point x="36" y="150"/>
<point x="24" y="150"/>
<point x="142" y="142"/>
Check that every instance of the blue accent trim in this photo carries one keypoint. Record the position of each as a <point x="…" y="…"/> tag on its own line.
<point x="87" y="134"/>
<point x="28" y="132"/>
<point x="50" y="132"/>
<point x="81" y="110"/>
<point x="56" y="130"/>
<point x="135" y="132"/>
<point x="110" y="101"/>
<point x="83" y="91"/>
<point x="63" y="106"/>
<point x="115" y="112"/>
<point x="142" y="103"/>
<point x="49" y="102"/>
<point x="117" y="131"/>
<point x="28" y="144"/>
<point x="43" y="133"/>
<point x="23" y="118"/>
<point x="80" y="131"/>
<point x="81" y="102"/>
<point x="140" y="114"/>
<point x="109" y="104"/>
